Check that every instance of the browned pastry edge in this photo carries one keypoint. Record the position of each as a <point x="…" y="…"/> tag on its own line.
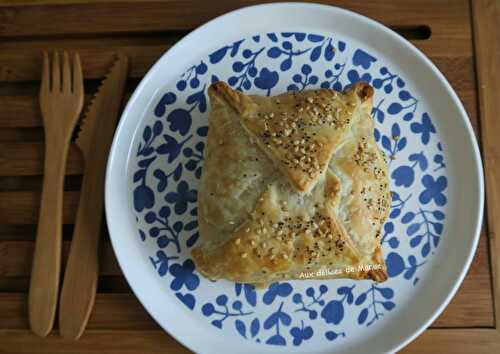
<point x="240" y="102"/>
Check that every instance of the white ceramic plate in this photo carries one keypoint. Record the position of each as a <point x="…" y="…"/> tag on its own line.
<point x="436" y="179"/>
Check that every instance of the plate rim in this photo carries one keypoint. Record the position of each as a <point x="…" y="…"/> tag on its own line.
<point x="111" y="169"/>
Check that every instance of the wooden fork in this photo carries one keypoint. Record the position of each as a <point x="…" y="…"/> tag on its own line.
<point x="61" y="101"/>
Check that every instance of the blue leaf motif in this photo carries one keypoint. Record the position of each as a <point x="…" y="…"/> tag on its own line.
<point x="361" y="299"/>
<point x="362" y="316"/>
<point x="413" y="228"/>
<point x="240" y="327"/>
<point x="315" y="53"/>
<point x="394" y="108"/>
<point x="387" y="293"/>
<point x="439" y="215"/>
<point x="274" y="52"/>
<point x="218" y="55"/>
<point x="388" y="305"/>
<point x="395" y="264"/>
<point x="426" y="249"/>
<point x="404" y="95"/>
<point x="333" y="312"/>
<point x="276" y="340"/>
<point x="408" y="217"/>
<point x="254" y="327"/>
<point x="187" y="299"/>
<point x="272" y="37"/>
<point x="414" y="242"/>
<point x="286" y="64"/>
<point x="250" y="294"/>
<point x="315" y="38"/>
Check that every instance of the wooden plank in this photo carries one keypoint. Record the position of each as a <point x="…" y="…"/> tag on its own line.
<point x="34" y="183"/>
<point x="22" y="207"/>
<point x="463" y="341"/>
<point x="102" y="17"/>
<point x="111" y="311"/>
<point x="23" y="111"/>
<point x="16" y="257"/>
<point x="24" y="134"/>
<point x="92" y="342"/>
<point x="156" y="341"/>
<point x="25" y="65"/>
<point x="462" y="312"/>
<point x="27" y="159"/>
<point x="486" y="14"/>
<point x="19" y="232"/>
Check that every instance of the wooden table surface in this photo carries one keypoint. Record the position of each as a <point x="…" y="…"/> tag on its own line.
<point x="460" y="37"/>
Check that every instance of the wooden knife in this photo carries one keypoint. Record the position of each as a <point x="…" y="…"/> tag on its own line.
<point x="94" y="141"/>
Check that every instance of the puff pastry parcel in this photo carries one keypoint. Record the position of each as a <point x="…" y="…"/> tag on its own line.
<point x="293" y="187"/>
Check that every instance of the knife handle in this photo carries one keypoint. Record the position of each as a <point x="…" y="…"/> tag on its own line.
<point x="80" y="279"/>
<point x="46" y="267"/>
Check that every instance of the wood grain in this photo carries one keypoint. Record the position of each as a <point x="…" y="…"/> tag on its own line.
<point x="16" y="258"/>
<point x="156" y="341"/>
<point x="22" y="207"/>
<point x="94" y="341"/>
<point x="486" y="24"/>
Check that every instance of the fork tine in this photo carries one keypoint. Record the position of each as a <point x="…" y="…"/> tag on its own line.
<point x="45" y="84"/>
<point x="66" y="74"/>
<point x="56" y="72"/>
<point x="77" y="75"/>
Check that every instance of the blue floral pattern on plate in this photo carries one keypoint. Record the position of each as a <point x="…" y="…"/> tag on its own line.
<point x="168" y="165"/>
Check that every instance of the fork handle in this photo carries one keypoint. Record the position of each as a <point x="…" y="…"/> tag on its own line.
<point x="80" y="278"/>
<point x="44" y="283"/>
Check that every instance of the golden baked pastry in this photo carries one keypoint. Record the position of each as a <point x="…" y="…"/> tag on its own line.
<point x="293" y="187"/>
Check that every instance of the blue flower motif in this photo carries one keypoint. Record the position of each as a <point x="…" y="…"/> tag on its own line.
<point x="182" y="197"/>
<point x="144" y="198"/>
<point x="301" y="333"/>
<point x="426" y="128"/>
<point x="363" y="59"/>
<point x="433" y="190"/>
<point x="266" y="80"/>
<point x="184" y="276"/>
<point x="403" y="176"/>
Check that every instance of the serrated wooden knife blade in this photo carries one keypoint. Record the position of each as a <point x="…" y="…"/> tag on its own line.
<point x="105" y="103"/>
<point x="94" y="140"/>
